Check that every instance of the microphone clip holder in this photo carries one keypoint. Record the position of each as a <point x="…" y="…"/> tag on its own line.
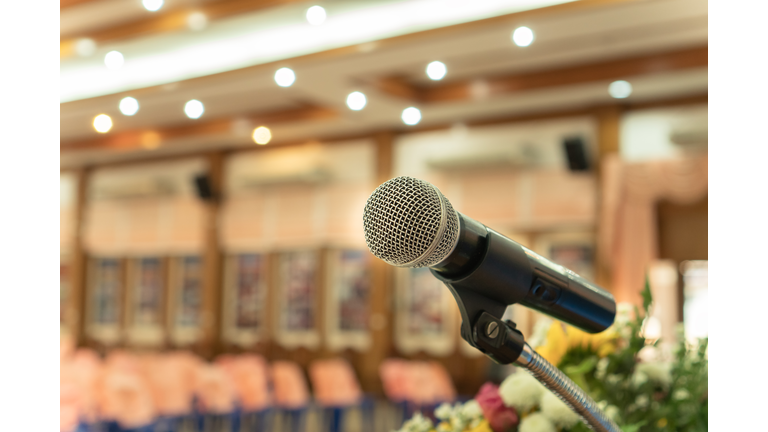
<point x="483" y="328"/>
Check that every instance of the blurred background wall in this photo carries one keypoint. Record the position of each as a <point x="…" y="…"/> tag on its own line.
<point x="216" y="157"/>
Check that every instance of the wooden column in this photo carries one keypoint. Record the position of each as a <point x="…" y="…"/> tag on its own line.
<point x="608" y="119"/>
<point x="381" y="317"/>
<point x="210" y="341"/>
<point x="79" y="263"/>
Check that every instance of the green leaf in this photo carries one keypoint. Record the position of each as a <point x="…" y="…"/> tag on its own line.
<point x="585" y="366"/>
<point x="633" y="427"/>
<point x="647" y="297"/>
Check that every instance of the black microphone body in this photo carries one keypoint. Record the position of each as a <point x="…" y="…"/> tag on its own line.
<point x="498" y="268"/>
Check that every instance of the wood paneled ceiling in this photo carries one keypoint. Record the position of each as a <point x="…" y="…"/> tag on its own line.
<point x="660" y="46"/>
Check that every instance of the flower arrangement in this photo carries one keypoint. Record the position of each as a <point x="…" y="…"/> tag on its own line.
<point x="635" y="385"/>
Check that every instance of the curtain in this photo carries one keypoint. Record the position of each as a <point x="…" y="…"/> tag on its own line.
<point x="628" y="229"/>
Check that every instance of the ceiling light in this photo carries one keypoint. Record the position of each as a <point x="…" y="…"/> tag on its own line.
<point x="284" y="77"/>
<point x="316" y="15"/>
<point x="102" y="123"/>
<point x="522" y="36"/>
<point x="85" y="47"/>
<point x="411" y="116"/>
<point x="261" y="135"/>
<point x="114" y="60"/>
<point x="356" y="101"/>
<point x="194" y="109"/>
<point x="152" y="5"/>
<point x="197" y="21"/>
<point x="436" y="70"/>
<point x="620" y="89"/>
<point x="129" y="106"/>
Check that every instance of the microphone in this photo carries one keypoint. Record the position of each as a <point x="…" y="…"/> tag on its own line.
<point x="409" y="223"/>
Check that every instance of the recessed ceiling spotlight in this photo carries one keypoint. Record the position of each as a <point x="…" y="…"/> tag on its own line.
<point x="102" y="123"/>
<point x="197" y="21"/>
<point x="522" y="36"/>
<point x="261" y="135"/>
<point x="436" y="70"/>
<point x="85" y="47"/>
<point x="284" y="77"/>
<point x="620" y="89"/>
<point x="316" y="15"/>
<point x="114" y="60"/>
<point x="152" y="5"/>
<point x="356" y="101"/>
<point x="194" y="109"/>
<point x="129" y="106"/>
<point x="411" y="116"/>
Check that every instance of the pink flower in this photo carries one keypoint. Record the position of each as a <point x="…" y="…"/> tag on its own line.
<point x="501" y="417"/>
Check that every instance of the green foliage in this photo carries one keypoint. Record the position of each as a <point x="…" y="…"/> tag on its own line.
<point x="645" y="402"/>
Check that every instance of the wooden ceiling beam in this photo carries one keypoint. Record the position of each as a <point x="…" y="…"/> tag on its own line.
<point x="166" y="21"/>
<point x="153" y="138"/>
<point x="63" y="4"/>
<point x="580" y="74"/>
<point x="175" y="19"/>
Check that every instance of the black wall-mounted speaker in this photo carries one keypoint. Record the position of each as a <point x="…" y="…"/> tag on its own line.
<point x="576" y="154"/>
<point x="203" y="187"/>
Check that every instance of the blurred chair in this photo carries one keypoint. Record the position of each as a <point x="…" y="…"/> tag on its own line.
<point x="291" y="395"/>
<point x="337" y="390"/>
<point x="215" y="399"/>
<point x="250" y="375"/>
<point x="169" y="376"/>
<point x="126" y="401"/>
<point x="416" y="386"/>
<point x="80" y="375"/>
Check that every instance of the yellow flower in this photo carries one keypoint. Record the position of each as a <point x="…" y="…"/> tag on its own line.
<point x="484" y="426"/>
<point x="662" y="422"/>
<point x="561" y="338"/>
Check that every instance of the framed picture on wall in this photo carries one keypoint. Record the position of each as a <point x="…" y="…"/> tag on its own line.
<point x="105" y="295"/>
<point x="245" y="294"/>
<point x="348" y="299"/>
<point x="146" y="294"/>
<point x="425" y="314"/>
<point x="186" y="283"/>
<point x="297" y="297"/>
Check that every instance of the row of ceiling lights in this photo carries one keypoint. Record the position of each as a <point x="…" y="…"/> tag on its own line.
<point x="285" y="77"/>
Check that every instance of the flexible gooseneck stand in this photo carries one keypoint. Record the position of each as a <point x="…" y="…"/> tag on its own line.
<point x="482" y="328"/>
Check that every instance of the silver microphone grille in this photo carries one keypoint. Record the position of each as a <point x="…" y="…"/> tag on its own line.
<point x="409" y="223"/>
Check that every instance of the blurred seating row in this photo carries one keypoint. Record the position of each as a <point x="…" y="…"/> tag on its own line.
<point x="178" y="391"/>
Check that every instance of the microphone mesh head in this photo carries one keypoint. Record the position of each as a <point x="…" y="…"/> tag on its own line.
<point x="409" y="223"/>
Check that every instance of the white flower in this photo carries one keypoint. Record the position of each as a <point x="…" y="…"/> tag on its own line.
<point x="536" y="422"/>
<point x="649" y="354"/>
<point x="444" y="411"/>
<point x="521" y="390"/>
<point x="613" y="379"/>
<point x="624" y="313"/>
<point x="681" y="394"/>
<point x="612" y="412"/>
<point x="638" y="378"/>
<point x="458" y="423"/>
<point x="642" y="401"/>
<point x="557" y="411"/>
<point x="471" y="409"/>
<point x="657" y="372"/>
<point x="540" y="329"/>
<point x="418" y="423"/>
<point x="601" y="367"/>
